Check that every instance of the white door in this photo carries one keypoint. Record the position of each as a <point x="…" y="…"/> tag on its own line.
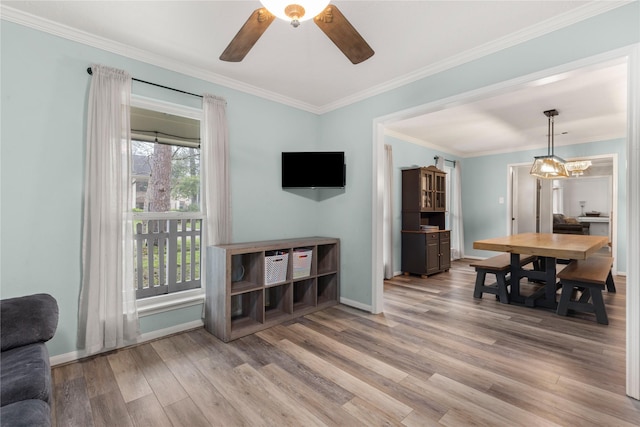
<point x="530" y="202"/>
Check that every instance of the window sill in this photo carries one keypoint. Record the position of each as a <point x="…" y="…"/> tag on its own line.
<point x="163" y="303"/>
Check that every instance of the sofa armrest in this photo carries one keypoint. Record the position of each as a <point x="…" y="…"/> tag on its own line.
<point x="28" y="319"/>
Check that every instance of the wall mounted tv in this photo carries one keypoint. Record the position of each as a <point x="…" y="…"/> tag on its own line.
<point x="315" y="169"/>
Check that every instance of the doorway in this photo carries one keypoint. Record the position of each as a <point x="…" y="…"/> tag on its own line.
<point x="632" y="248"/>
<point x="590" y="198"/>
<point x="530" y="202"/>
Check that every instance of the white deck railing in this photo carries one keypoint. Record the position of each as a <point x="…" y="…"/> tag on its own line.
<point x="166" y="253"/>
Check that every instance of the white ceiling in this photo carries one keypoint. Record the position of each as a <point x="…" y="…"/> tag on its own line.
<point x="591" y="104"/>
<point x="412" y="39"/>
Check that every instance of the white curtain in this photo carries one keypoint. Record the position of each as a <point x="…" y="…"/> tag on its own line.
<point x="457" y="229"/>
<point x="214" y="155"/>
<point x="387" y="215"/>
<point x="107" y="310"/>
<point x="454" y="206"/>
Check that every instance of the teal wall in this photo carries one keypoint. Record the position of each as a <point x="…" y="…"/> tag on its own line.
<point x="44" y="89"/>
<point x="44" y="95"/>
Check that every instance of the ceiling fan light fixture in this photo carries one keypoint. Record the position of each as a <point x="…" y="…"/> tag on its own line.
<point x="296" y="11"/>
<point x="549" y="166"/>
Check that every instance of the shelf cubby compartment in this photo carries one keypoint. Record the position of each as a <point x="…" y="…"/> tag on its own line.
<point x="276" y="267"/>
<point x="277" y="301"/>
<point x="327" y="258"/>
<point x="246" y="309"/>
<point x="303" y="262"/>
<point x="327" y="288"/>
<point x="246" y="272"/>
<point x="304" y="294"/>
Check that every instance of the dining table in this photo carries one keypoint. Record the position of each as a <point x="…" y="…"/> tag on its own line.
<point x="549" y="248"/>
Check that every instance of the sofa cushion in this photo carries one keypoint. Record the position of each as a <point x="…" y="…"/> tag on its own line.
<point x="28" y="413"/>
<point x="28" y="319"/>
<point x="25" y="374"/>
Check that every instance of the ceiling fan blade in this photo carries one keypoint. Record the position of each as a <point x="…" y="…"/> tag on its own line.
<point x="248" y="35"/>
<point x="333" y="23"/>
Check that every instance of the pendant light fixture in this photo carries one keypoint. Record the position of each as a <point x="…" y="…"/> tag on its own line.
<point x="549" y="166"/>
<point x="578" y="167"/>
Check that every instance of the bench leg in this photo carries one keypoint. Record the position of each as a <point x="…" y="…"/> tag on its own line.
<point x="499" y="289"/>
<point x="611" y="287"/>
<point x="565" y="297"/>
<point x="586" y="294"/>
<point x="582" y="304"/>
<point x="480" y="277"/>
<point x="501" y="281"/>
<point x="598" y="307"/>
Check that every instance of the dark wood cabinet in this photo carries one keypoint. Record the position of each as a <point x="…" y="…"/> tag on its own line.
<point x="424" y="189"/>
<point x="426" y="253"/>
<point x="424" y="198"/>
<point x="426" y="245"/>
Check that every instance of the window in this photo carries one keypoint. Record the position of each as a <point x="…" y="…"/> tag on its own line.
<point x="167" y="220"/>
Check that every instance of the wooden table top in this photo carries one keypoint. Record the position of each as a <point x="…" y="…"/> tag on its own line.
<point x="565" y="246"/>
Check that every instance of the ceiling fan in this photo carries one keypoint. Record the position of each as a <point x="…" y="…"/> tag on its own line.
<point x="326" y="16"/>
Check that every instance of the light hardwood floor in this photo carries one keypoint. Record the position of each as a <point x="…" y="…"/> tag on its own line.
<point x="437" y="356"/>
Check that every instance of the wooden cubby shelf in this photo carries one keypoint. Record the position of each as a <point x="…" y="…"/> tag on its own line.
<point x="252" y="286"/>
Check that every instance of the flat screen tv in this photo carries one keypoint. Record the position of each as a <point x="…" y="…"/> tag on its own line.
<point x="317" y="169"/>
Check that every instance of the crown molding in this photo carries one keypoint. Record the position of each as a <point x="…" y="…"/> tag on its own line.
<point x="563" y="20"/>
<point x="574" y="16"/>
<point x="54" y="28"/>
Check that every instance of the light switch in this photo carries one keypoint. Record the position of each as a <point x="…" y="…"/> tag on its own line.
<point x="501" y="200"/>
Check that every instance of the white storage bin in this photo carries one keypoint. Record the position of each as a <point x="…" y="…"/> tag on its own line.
<point x="275" y="268"/>
<point x="302" y="263"/>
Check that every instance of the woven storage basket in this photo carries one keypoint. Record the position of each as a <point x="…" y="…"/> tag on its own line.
<point x="302" y="263"/>
<point x="275" y="268"/>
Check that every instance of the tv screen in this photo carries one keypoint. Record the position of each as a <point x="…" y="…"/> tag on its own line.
<point x="319" y="169"/>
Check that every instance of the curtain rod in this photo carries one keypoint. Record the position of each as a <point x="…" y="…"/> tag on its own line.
<point x="155" y="84"/>
<point x="446" y="160"/>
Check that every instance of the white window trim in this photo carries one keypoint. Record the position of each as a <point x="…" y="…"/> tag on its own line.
<point x="177" y="300"/>
<point x="183" y="299"/>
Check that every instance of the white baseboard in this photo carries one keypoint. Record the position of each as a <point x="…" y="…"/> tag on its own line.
<point x="61" y="359"/>
<point x="356" y="304"/>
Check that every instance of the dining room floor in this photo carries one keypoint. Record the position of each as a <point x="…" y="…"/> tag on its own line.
<point x="436" y="356"/>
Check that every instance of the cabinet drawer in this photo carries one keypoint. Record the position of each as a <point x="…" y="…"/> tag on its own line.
<point x="433" y="237"/>
<point x="445" y="235"/>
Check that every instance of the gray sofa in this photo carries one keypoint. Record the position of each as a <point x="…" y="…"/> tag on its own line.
<point x="25" y="384"/>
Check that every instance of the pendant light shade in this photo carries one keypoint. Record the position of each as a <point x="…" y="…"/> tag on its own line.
<point x="578" y="167"/>
<point x="549" y="166"/>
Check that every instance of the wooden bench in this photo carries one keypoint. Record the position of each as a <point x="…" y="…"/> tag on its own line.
<point x="500" y="266"/>
<point x="590" y="276"/>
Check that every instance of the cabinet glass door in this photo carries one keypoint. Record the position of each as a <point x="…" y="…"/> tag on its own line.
<point x="440" y="186"/>
<point x="426" y="189"/>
